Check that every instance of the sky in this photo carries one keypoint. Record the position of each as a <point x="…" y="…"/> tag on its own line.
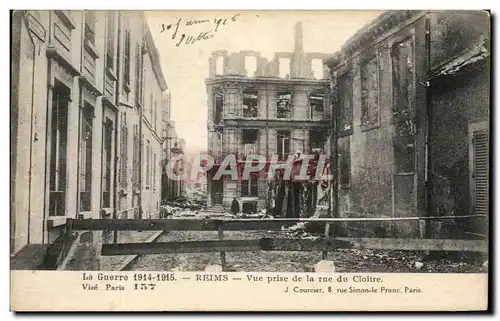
<point x="185" y="66"/>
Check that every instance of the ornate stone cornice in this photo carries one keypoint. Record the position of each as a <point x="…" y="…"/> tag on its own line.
<point x="264" y="80"/>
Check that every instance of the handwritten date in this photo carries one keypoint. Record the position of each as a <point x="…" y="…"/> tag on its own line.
<point x="203" y="35"/>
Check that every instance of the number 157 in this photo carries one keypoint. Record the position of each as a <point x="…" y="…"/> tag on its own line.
<point x="144" y="286"/>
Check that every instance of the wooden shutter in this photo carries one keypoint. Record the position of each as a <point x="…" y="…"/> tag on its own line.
<point x="480" y="143"/>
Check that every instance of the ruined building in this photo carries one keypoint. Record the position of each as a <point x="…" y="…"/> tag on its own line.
<point x="412" y="112"/>
<point x="279" y="107"/>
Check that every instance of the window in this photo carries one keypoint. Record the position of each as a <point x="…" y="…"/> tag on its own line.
<point x="219" y="65"/>
<point x="154" y="171"/>
<point x="124" y="152"/>
<point x="251" y="65"/>
<point x="316" y="102"/>
<point x="479" y="159"/>
<point x="369" y="92"/>
<point x="344" y="162"/>
<point x="403" y="79"/>
<point x="284" y="67"/>
<point x="135" y="158"/>
<point x="150" y="106"/>
<point x="317" y="140"/>
<point x="249" y="140"/>
<point x="218" y="104"/>
<point x="317" y="68"/>
<point x="344" y="104"/>
<point x="155" y="114"/>
<point x="230" y="141"/>
<point x="147" y="163"/>
<point x="250" y="136"/>
<point x="86" y="148"/>
<point x="251" y="187"/>
<point x="107" y="163"/>
<point x="126" y="58"/>
<point x="283" y="144"/>
<point x="284" y="105"/>
<point x="110" y="44"/>
<point x="250" y="103"/>
<point x="138" y="74"/>
<point x="90" y="20"/>
<point x="151" y="165"/>
<point x="58" y="150"/>
<point x="231" y="101"/>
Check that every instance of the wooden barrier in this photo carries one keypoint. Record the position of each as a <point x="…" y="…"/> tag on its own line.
<point x="228" y="224"/>
<point x="323" y="244"/>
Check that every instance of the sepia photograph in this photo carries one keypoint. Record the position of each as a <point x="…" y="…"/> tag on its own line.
<point x="332" y="143"/>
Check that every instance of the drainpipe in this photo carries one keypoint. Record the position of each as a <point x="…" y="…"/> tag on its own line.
<point x="80" y="93"/>
<point x="117" y="95"/>
<point x="141" y="142"/>
<point x="428" y="168"/>
<point x="30" y="174"/>
<point x="334" y="208"/>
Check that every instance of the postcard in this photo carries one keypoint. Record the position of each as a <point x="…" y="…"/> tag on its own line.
<point x="250" y="160"/>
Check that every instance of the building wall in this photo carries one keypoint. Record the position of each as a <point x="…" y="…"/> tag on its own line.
<point x="144" y="113"/>
<point x="456" y="103"/>
<point x="377" y="186"/>
<point x="65" y="56"/>
<point x="58" y="38"/>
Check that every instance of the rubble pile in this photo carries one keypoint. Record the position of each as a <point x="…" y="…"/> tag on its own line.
<point x="262" y="215"/>
<point x="298" y="230"/>
<point x="181" y="206"/>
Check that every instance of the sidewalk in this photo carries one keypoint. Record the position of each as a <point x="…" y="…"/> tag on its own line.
<point x="119" y="262"/>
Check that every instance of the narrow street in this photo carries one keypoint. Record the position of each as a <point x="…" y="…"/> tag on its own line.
<point x="345" y="260"/>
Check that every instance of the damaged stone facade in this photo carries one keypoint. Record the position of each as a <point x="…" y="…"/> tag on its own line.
<point x="397" y="123"/>
<point x="256" y="107"/>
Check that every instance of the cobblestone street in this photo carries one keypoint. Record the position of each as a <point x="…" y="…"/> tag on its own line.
<point x="345" y="260"/>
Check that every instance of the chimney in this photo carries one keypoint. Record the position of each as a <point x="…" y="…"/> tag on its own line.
<point x="299" y="46"/>
<point x="298" y="53"/>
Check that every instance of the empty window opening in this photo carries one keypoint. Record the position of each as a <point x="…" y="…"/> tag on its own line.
<point x="219" y="105"/>
<point x="250" y="102"/>
<point x="58" y="149"/>
<point x="251" y="65"/>
<point x="90" y="26"/>
<point x="284" y="104"/>
<point x="345" y="163"/>
<point x="345" y="105"/>
<point x="317" y="140"/>
<point x="284" y="67"/>
<point x="369" y="91"/>
<point x="283" y="144"/>
<point x="219" y="65"/>
<point x="316" y="102"/>
<point x="249" y="140"/>
<point x="110" y="40"/>
<point x="317" y="68"/>
<point x="249" y="207"/>
<point x="250" y="187"/>
<point x="250" y="136"/>
<point x="402" y="75"/>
